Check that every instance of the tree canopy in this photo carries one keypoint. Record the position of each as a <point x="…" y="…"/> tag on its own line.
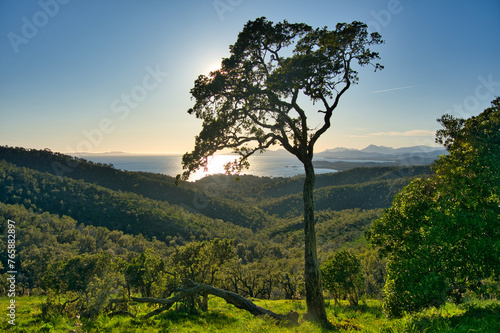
<point x="442" y="235"/>
<point x="252" y="101"/>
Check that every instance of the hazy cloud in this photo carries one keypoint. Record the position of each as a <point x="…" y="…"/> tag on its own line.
<point x="406" y="133"/>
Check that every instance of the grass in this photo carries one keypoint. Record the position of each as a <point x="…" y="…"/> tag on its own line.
<point x="474" y="316"/>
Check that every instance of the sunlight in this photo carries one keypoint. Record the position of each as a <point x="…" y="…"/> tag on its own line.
<point x="213" y="67"/>
<point x="215" y="166"/>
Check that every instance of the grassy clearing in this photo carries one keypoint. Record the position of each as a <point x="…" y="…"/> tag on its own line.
<point x="474" y="316"/>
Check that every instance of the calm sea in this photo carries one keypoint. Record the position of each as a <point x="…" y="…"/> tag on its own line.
<point x="266" y="166"/>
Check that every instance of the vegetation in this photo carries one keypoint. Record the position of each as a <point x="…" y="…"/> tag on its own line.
<point x="87" y="259"/>
<point x="86" y="255"/>
<point x="252" y="103"/>
<point x="442" y="234"/>
<point x="342" y="277"/>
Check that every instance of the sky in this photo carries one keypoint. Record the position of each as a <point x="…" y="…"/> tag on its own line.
<point x="99" y="76"/>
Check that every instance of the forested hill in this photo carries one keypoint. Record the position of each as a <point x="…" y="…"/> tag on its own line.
<point x="99" y="206"/>
<point x="71" y="209"/>
<point x="151" y="204"/>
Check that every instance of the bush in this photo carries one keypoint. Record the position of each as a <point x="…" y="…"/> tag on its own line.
<point x="342" y="277"/>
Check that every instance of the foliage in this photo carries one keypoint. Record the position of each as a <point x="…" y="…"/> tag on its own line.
<point x="148" y="274"/>
<point x="374" y="273"/>
<point x="201" y="262"/>
<point x="442" y="235"/>
<point x="342" y="277"/>
<point x="252" y="99"/>
<point x="93" y="278"/>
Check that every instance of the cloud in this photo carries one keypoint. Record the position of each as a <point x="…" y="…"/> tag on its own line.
<point x="392" y="89"/>
<point x="406" y="133"/>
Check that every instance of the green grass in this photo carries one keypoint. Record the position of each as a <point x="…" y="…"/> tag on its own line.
<point x="474" y="316"/>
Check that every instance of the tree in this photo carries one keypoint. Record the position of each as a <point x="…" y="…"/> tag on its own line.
<point x="202" y="262"/>
<point x="147" y="272"/>
<point x="252" y="103"/>
<point x="343" y="277"/>
<point x="442" y="234"/>
<point x="92" y="277"/>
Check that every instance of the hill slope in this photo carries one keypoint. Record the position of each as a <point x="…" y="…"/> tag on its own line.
<point x="215" y="206"/>
<point x="99" y="206"/>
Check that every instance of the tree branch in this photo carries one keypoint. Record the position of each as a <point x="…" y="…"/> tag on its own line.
<point x="329" y="112"/>
<point x="230" y="297"/>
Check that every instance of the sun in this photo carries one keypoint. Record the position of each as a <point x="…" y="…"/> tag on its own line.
<point x="215" y="166"/>
<point x="213" y="67"/>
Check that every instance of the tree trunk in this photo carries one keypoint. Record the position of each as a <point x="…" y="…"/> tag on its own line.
<point x="230" y="297"/>
<point x="314" y="291"/>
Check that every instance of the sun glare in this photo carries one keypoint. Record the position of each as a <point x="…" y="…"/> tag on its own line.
<point x="215" y="166"/>
<point x="214" y="67"/>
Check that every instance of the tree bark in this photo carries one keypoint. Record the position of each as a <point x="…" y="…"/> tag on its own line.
<point x="314" y="291"/>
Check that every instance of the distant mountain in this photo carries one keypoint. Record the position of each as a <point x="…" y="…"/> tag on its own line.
<point x="415" y="155"/>
<point x="337" y="150"/>
<point x="275" y="152"/>
<point x="378" y="149"/>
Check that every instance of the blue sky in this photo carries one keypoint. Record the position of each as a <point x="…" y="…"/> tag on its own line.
<point x="115" y="75"/>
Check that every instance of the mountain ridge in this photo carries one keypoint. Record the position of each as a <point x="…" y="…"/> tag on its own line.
<point x="404" y="155"/>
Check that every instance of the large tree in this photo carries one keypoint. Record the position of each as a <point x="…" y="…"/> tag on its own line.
<point x="255" y="100"/>
<point x="442" y="234"/>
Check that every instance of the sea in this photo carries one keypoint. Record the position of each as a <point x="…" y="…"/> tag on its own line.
<point x="263" y="166"/>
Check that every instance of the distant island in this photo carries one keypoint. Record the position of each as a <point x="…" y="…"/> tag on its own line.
<point x="103" y="153"/>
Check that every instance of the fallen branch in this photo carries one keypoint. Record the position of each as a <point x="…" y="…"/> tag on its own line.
<point x="239" y="301"/>
<point x="63" y="307"/>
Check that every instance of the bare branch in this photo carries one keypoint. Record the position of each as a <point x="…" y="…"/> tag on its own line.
<point x="230" y="297"/>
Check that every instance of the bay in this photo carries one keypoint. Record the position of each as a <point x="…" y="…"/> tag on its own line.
<point x="263" y="165"/>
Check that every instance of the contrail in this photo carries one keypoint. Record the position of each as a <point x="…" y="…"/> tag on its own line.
<point x="392" y="89"/>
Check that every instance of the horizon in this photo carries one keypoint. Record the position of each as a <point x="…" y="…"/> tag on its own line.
<point x="278" y="150"/>
<point x="122" y="83"/>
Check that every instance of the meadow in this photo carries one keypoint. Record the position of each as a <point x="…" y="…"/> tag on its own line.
<point x="471" y="316"/>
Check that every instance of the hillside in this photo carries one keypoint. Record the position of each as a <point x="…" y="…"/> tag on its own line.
<point x="74" y="211"/>
<point x="99" y="206"/>
<point x="259" y="213"/>
<point x="252" y="210"/>
<point x="241" y="201"/>
<point x="148" y="185"/>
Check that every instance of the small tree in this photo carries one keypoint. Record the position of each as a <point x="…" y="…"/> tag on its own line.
<point x="147" y="272"/>
<point x="342" y="277"/>
<point x="202" y="262"/>
<point x="94" y="278"/>
<point x="253" y="102"/>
